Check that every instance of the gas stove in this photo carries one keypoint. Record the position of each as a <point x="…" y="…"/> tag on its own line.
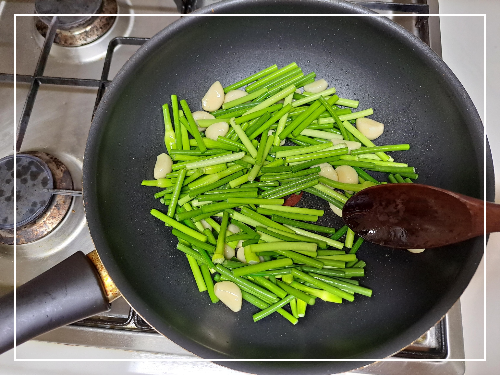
<point x="54" y="106"/>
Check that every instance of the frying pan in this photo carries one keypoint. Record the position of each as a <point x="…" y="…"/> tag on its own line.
<point x="368" y="58"/>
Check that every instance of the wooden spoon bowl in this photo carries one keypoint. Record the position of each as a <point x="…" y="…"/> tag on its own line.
<point x="414" y="216"/>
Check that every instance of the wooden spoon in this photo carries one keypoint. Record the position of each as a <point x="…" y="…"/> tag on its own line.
<point x="413" y="216"/>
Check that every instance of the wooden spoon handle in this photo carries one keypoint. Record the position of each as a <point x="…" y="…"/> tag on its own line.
<point x="476" y="208"/>
<point x="492" y="217"/>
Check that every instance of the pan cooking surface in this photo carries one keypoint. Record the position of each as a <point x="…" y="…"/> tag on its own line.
<point x="412" y="93"/>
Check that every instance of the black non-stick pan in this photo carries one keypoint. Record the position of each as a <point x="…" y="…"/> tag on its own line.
<point x="370" y="59"/>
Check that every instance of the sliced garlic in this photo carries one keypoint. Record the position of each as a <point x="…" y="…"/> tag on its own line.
<point x="228" y="252"/>
<point x="214" y="97"/>
<point x="316" y="86"/>
<point x="337" y="211"/>
<point x="347" y="174"/>
<point x="233" y="228"/>
<point x="416" y="251"/>
<point x="240" y="254"/>
<point x="202" y="115"/>
<point x="351" y="145"/>
<point x="229" y="293"/>
<point x="271" y="132"/>
<point x="234" y="94"/>
<point x="328" y="171"/>
<point x="205" y="224"/>
<point x="163" y="166"/>
<point x="214" y="130"/>
<point x="371" y="129"/>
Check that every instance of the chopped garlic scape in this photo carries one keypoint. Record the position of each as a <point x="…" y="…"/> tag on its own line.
<point x="230" y="294"/>
<point x="251" y="257"/>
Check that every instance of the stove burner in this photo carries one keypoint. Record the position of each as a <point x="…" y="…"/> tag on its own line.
<point x="82" y="8"/>
<point x="74" y="31"/>
<point x="38" y="212"/>
<point x="33" y="176"/>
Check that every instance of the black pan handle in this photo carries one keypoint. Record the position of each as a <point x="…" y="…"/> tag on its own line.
<point x="66" y="293"/>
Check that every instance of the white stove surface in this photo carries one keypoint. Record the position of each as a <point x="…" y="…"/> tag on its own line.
<point x="464" y="55"/>
<point x="463" y="66"/>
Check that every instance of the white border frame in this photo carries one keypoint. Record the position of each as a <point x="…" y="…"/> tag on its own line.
<point x="246" y="360"/>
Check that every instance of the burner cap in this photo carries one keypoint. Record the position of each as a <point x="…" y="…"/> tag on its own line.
<point x="81" y="7"/>
<point x="33" y="176"/>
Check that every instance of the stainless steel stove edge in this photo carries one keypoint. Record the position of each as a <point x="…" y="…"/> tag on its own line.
<point x="160" y="347"/>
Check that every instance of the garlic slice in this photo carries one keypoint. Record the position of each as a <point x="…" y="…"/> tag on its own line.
<point x="337" y="211"/>
<point x="347" y="174"/>
<point x="228" y="252"/>
<point x="233" y="228"/>
<point x="229" y="293"/>
<point x="328" y="171"/>
<point x="205" y="224"/>
<point x="214" y="130"/>
<point x="163" y="166"/>
<point x="371" y="129"/>
<point x="202" y="115"/>
<point x="214" y="97"/>
<point x="240" y="254"/>
<point x="351" y="145"/>
<point x="316" y="86"/>
<point x="234" y="94"/>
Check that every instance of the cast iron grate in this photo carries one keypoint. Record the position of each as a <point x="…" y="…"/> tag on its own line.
<point x="132" y="321"/>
